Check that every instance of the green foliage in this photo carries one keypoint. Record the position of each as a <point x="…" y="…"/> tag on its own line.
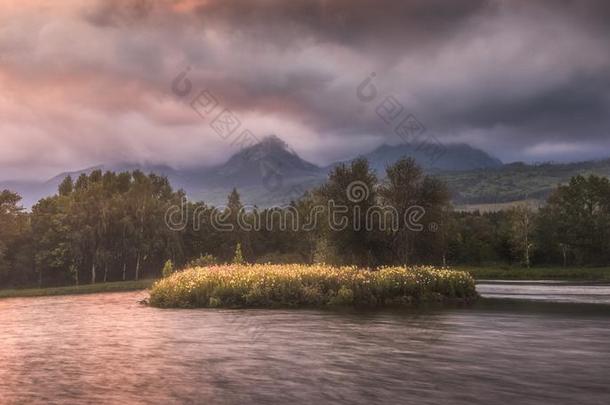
<point x="112" y="226"/>
<point x="203" y="261"/>
<point x="353" y="187"/>
<point x="168" y="269"/>
<point x="238" y="258"/>
<point x="280" y="258"/>
<point x="345" y="296"/>
<point x="66" y="187"/>
<point x="317" y="285"/>
<point x="577" y="220"/>
<point x="405" y="188"/>
<point x="325" y="253"/>
<point x="103" y="227"/>
<point x="15" y="235"/>
<point x="521" y="219"/>
<point x="517" y="181"/>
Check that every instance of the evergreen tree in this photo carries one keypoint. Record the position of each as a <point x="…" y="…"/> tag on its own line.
<point x="238" y="258"/>
<point x="168" y="269"/>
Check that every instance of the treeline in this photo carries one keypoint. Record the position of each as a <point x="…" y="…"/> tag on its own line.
<point x="104" y="226"/>
<point x="110" y="227"/>
<point x="571" y="229"/>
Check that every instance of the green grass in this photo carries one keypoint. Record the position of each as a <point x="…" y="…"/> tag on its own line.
<point x="81" y="289"/>
<point x="271" y="286"/>
<point x="539" y="273"/>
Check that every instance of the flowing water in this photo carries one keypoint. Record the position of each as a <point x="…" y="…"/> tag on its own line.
<point x="550" y="346"/>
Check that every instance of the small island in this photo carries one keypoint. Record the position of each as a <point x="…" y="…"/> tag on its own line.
<point x="277" y="286"/>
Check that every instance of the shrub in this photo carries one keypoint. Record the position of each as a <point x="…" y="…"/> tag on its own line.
<point x="280" y="258"/>
<point x="239" y="257"/>
<point x="168" y="269"/>
<point x="316" y="285"/>
<point x="203" y="261"/>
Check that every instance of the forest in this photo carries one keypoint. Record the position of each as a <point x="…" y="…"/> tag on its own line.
<point x="112" y="226"/>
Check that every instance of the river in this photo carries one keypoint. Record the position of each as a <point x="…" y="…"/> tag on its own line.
<point x="525" y="343"/>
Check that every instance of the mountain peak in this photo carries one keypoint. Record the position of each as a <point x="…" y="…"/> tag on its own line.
<point x="271" y="153"/>
<point x="269" y="148"/>
<point x="454" y="157"/>
<point x="273" y="141"/>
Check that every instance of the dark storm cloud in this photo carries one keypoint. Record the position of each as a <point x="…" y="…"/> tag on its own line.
<point x="90" y="82"/>
<point x="114" y="13"/>
<point x="349" y="22"/>
<point x="580" y="104"/>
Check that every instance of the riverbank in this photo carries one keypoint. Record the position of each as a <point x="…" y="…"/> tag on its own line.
<point x="538" y="273"/>
<point x="478" y="273"/>
<point x="81" y="289"/>
<point x="273" y="286"/>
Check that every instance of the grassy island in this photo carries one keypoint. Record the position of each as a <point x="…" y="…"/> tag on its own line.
<point x="264" y="286"/>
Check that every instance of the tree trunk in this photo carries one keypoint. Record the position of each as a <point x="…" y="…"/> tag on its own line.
<point x="93" y="273"/>
<point x="527" y="252"/>
<point x="124" y="270"/>
<point x="105" y="273"/>
<point x="564" y="253"/>
<point x="138" y="268"/>
<point x="406" y="251"/>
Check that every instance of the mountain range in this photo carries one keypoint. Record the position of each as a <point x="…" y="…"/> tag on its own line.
<point x="271" y="173"/>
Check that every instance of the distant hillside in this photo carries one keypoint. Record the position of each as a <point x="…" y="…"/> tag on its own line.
<point x="451" y="157"/>
<point x="516" y="181"/>
<point x="270" y="173"/>
<point x="30" y="191"/>
<point x="247" y="170"/>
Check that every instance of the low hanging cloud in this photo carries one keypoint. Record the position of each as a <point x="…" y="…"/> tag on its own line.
<point x="85" y="83"/>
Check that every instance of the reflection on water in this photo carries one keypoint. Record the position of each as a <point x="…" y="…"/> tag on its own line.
<point x="106" y="348"/>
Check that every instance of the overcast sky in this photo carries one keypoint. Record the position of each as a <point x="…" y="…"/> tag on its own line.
<point x="85" y="82"/>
